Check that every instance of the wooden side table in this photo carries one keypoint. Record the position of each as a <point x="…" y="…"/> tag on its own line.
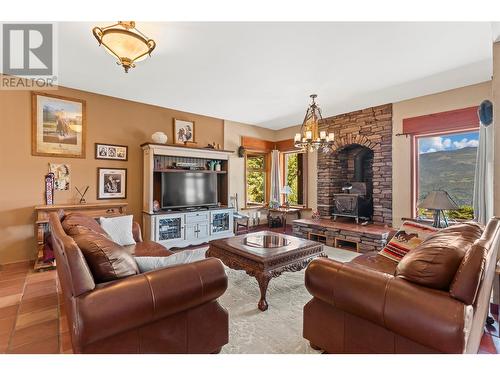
<point x="282" y="213"/>
<point x="42" y="229"/>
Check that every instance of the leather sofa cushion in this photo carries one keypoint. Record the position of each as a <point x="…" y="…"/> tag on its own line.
<point x="148" y="249"/>
<point x="376" y="262"/>
<point x="107" y="260"/>
<point x="77" y="223"/>
<point x="434" y="263"/>
<point x="468" y="277"/>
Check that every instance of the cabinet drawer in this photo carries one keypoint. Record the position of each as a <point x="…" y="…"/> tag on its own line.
<point x="196" y="217"/>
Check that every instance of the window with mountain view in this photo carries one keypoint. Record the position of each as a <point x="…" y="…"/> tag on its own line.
<point x="447" y="162"/>
<point x="255" y="179"/>
<point x="294" y="177"/>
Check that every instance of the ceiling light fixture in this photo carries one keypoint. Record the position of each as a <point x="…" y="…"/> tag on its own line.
<point x="310" y="137"/>
<point x="125" y="42"/>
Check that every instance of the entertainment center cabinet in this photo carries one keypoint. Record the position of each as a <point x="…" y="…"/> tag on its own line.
<point x="186" y="224"/>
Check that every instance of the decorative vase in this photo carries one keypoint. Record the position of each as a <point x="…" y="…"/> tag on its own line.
<point x="211" y="165"/>
<point x="217" y="166"/>
<point x="159" y="137"/>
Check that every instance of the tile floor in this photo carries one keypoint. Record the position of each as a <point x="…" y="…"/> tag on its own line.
<point x="33" y="319"/>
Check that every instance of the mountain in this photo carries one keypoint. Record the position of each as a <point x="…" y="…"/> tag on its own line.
<point x="452" y="171"/>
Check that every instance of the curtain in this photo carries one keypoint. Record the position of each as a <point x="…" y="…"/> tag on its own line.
<point x="483" y="179"/>
<point x="275" y="176"/>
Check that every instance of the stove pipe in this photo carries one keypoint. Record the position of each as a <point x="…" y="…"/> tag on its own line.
<point x="359" y="172"/>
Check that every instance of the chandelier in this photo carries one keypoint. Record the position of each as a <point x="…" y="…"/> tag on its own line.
<point x="310" y="138"/>
<point x="123" y="41"/>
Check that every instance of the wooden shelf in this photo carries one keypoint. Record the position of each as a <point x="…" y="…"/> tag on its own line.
<point x="189" y="171"/>
<point x="186" y="147"/>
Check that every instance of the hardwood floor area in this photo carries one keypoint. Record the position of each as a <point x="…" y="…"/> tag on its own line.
<point x="33" y="318"/>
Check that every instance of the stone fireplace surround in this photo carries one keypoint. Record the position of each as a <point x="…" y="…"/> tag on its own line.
<point x="370" y="128"/>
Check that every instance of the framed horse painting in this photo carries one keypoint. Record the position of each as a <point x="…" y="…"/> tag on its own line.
<point x="58" y="126"/>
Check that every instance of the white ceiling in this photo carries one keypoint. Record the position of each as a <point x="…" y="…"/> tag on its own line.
<point x="263" y="73"/>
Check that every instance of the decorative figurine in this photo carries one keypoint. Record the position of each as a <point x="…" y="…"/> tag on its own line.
<point x="156" y="206"/>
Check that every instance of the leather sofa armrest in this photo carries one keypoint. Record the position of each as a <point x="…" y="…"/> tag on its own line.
<point x="427" y="316"/>
<point x="136" y="231"/>
<point x="137" y="300"/>
<point x="350" y="287"/>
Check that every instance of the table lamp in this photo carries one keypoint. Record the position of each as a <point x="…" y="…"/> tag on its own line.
<point x="286" y="190"/>
<point x="438" y="201"/>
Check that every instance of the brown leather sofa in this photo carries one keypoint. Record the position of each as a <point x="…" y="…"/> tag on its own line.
<point x="171" y="310"/>
<point x="435" y="300"/>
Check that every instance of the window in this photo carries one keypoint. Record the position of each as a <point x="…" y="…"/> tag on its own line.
<point x="293" y="176"/>
<point x="256" y="176"/>
<point x="447" y="162"/>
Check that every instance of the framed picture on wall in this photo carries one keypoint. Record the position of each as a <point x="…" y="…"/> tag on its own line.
<point x="111" y="183"/>
<point x="111" y="152"/>
<point x="183" y="131"/>
<point x="58" y="126"/>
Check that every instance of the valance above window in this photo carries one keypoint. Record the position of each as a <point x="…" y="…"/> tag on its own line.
<point x="449" y="121"/>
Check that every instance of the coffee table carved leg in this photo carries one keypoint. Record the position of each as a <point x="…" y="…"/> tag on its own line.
<point x="263" y="280"/>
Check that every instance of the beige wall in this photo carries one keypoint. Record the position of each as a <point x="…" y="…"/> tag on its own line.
<point x="109" y="120"/>
<point x="401" y="155"/>
<point x="233" y="131"/>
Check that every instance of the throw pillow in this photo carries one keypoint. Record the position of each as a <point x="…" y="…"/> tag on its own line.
<point x="106" y="259"/>
<point x="408" y="237"/>
<point x="119" y="228"/>
<point x="146" y="264"/>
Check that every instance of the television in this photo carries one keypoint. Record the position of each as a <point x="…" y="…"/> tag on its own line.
<point x="188" y="189"/>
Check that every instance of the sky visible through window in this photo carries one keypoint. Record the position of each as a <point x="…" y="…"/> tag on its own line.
<point x="448" y="142"/>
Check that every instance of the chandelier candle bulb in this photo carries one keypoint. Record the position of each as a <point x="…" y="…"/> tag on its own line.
<point x="322" y="134"/>
<point x="297" y="137"/>
<point x="331" y="137"/>
<point x="308" y="134"/>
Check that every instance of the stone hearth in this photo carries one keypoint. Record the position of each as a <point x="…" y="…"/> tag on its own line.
<point x="361" y="238"/>
<point x="370" y="128"/>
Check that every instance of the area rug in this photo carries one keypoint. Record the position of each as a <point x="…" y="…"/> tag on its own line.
<point x="279" y="329"/>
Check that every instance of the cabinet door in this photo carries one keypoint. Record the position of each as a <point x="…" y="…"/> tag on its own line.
<point x="170" y="228"/>
<point x="203" y="230"/>
<point x="221" y="222"/>
<point x="191" y="231"/>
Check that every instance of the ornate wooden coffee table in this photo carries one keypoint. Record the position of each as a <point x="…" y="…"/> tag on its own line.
<point x="265" y="255"/>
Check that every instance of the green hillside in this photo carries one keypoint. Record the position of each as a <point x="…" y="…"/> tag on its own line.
<point x="452" y="171"/>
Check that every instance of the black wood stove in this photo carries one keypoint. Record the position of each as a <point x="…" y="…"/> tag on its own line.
<point x="353" y="202"/>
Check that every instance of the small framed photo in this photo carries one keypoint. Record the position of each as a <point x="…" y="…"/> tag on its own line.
<point x="183" y="131"/>
<point x="111" y="152"/>
<point x="111" y="183"/>
<point x="58" y="126"/>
